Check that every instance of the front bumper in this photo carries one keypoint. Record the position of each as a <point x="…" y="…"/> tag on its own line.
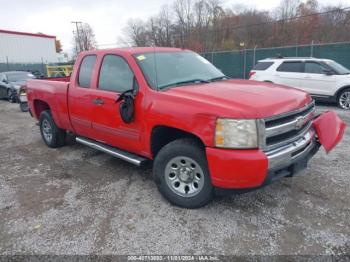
<point x="286" y="155"/>
<point x="236" y="169"/>
<point x="249" y="169"/>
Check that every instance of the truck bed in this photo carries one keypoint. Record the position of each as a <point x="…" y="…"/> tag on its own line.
<point x="52" y="94"/>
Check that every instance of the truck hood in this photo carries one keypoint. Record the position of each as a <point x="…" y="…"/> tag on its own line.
<point x="243" y="98"/>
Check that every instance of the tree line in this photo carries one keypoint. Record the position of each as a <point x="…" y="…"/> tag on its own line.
<point x="207" y="25"/>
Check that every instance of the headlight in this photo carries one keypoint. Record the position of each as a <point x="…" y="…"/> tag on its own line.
<point x="236" y="133"/>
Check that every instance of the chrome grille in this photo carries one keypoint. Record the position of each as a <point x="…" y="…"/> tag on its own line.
<point x="287" y="128"/>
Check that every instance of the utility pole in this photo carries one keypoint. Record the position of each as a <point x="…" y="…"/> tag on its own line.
<point x="77" y="23"/>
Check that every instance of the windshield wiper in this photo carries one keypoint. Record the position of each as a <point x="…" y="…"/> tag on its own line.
<point x="196" y="81"/>
<point x="218" y="78"/>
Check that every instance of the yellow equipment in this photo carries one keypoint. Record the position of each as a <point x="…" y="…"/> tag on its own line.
<point x="59" y="71"/>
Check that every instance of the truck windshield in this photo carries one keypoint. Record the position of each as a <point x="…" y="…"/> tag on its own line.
<point x="338" y="68"/>
<point x="170" y="69"/>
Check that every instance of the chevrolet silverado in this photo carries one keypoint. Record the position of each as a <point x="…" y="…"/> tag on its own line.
<point x="202" y="130"/>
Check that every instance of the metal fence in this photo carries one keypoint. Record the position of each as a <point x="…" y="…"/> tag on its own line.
<point x="238" y="63"/>
<point x="48" y="70"/>
<point x="22" y="67"/>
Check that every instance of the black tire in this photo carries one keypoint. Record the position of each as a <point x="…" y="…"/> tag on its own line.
<point x="58" y="136"/>
<point x="24" y="106"/>
<point x="190" y="150"/>
<point x="10" y="96"/>
<point x="341" y="103"/>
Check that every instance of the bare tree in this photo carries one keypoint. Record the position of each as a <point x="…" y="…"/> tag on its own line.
<point x="205" y="25"/>
<point x="84" y="38"/>
<point x="136" y="33"/>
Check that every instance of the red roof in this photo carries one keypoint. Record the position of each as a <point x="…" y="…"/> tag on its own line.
<point x="23" y="33"/>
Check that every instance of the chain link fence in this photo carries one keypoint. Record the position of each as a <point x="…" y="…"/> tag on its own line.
<point x="46" y="70"/>
<point x="238" y="63"/>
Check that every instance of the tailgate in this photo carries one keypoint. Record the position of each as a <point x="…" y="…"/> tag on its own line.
<point x="330" y="129"/>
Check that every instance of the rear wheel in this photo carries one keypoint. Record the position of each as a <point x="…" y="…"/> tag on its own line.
<point x="182" y="175"/>
<point x="51" y="134"/>
<point x="344" y="99"/>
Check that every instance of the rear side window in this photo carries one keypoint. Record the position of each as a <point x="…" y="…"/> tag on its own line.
<point x="314" y="68"/>
<point x="85" y="73"/>
<point x="115" y="75"/>
<point x="293" y="67"/>
<point x="261" y="66"/>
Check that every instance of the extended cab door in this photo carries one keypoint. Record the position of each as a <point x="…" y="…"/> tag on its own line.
<point x="315" y="81"/>
<point x="79" y="96"/>
<point x="289" y="73"/>
<point x="115" y="77"/>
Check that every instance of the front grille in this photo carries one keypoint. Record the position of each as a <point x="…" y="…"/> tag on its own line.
<point x="287" y="128"/>
<point x="288" y="118"/>
<point x="288" y="135"/>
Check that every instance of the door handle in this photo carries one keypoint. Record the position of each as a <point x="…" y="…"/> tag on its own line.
<point x="98" y="101"/>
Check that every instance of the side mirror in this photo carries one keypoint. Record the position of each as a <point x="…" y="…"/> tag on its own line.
<point x="5" y="81"/>
<point x="327" y="72"/>
<point x="126" y="107"/>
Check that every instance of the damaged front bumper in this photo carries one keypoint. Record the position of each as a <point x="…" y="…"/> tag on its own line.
<point x="251" y="169"/>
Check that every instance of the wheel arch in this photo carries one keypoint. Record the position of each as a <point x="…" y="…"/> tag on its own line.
<point x="162" y="135"/>
<point x="340" y="90"/>
<point x="39" y="107"/>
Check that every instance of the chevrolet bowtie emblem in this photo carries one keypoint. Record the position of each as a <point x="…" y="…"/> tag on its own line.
<point x="300" y="122"/>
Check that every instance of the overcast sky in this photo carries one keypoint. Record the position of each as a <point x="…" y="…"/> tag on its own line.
<point x="107" y="17"/>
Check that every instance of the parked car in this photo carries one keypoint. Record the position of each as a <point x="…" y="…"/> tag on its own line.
<point x="324" y="79"/>
<point x="37" y="74"/>
<point x="202" y="130"/>
<point x="11" y="82"/>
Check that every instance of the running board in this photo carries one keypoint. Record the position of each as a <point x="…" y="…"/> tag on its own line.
<point x="127" y="156"/>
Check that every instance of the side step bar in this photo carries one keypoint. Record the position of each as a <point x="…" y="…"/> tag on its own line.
<point x="127" y="156"/>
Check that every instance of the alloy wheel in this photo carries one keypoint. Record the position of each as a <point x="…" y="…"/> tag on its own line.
<point x="344" y="100"/>
<point x="47" y="130"/>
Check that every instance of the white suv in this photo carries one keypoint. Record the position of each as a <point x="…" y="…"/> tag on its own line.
<point x="324" y="79"/>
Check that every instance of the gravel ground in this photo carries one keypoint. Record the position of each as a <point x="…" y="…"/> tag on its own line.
<point x="75" y="200"/>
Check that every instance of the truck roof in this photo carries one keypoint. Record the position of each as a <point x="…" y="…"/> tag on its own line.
<point x="137" y="50"/>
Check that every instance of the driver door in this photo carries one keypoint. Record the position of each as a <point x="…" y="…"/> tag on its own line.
<point x="115" y="78"/>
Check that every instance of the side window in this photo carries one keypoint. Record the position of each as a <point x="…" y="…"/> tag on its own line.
<point x="115" y="74"/>
<point x="261" y="66"/>
<point x="314" y="68"/>
<point x="86" y="68"/>
<point x="292" y="67"/>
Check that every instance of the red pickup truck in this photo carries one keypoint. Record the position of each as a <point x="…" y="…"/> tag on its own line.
<point x="202" y="130"/>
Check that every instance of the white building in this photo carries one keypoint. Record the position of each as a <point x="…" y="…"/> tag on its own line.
<point x="27" y="48"/>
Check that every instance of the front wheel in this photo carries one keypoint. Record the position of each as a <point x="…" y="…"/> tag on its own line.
<point x="11" y="96"/>
<point x="344" y="99"/>
<point x="181" y="174"/>
<point x="51" y="134"/>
